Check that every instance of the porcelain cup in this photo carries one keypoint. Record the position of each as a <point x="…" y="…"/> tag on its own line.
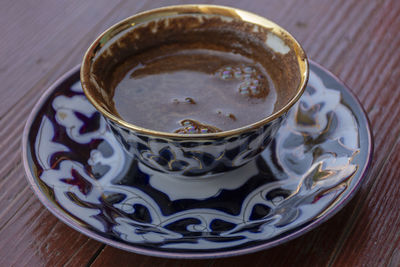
<point x="193" y="155"/>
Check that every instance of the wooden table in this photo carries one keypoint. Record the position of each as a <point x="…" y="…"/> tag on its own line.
<point x="358" y="40"/>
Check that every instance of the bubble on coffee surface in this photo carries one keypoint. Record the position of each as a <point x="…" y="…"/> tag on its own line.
<point x="194" y="127"/>
<point x="226" y="73"/>
<point x="251" y="81"/>
<point x="227" y="115"/>
<point x="186" y="100"/>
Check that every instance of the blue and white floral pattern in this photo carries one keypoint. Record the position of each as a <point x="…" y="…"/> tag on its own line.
<point x="314" y="163"/>
<point x="200" y="158"/>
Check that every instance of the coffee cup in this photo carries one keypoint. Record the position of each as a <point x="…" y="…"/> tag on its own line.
<point x="197" y="149"/>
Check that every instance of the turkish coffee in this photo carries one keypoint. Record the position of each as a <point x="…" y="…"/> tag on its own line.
<point x="197" y="74"/>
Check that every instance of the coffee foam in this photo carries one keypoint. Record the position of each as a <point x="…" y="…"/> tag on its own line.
<point x="202" y="32"/>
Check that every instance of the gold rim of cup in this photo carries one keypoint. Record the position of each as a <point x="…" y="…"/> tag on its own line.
<point x="162" y="12"/>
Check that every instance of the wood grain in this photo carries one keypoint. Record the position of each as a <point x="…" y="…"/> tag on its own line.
<point x="378" y="222"/>
<point x="357" y="40"/>
<point x="38" y="36"/>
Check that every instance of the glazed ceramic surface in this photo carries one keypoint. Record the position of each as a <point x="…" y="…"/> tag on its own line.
<point x="193" y="157"/>
<point x="311" y="169"/>
<point x="206" y="154"/>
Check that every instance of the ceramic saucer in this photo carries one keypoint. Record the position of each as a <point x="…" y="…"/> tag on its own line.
<point x="309" y="172"/>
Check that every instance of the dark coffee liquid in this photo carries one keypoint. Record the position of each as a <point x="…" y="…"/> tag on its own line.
<point x="193" y="91"/>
